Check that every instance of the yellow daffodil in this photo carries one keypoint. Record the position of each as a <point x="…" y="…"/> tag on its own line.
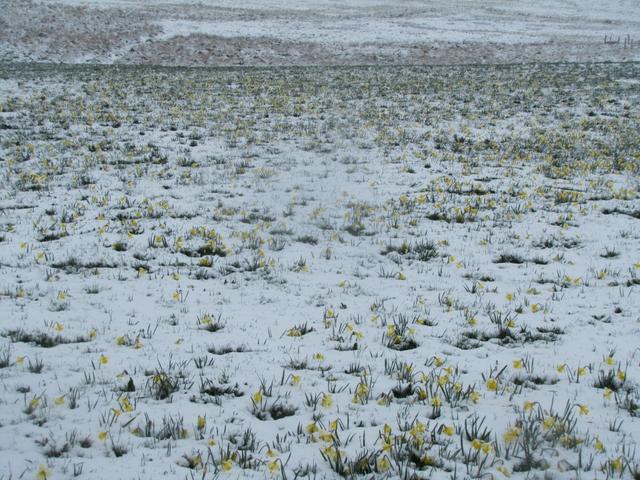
<point x="43" y="473"/>
<point x="492" y="384"/>
<point x="617" y="464"/>
<point x="383" y="464"/>
<point x="503" y="470"/>
<point x="511" y="435"/>
<point x="201" y="422"/>
<point x="549" y="423"/>
<point x="273" y="466"/>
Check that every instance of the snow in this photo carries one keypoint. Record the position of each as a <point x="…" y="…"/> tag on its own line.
<point x="309" y="180"/>
<point x="183" y="32"/>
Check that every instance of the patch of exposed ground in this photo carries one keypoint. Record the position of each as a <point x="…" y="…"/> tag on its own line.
<point x="283" y="33"/>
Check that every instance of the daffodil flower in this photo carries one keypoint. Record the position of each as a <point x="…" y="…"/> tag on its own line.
<point x="201" y="422"/>
<point x="273" y="466"/>
<point x="503" y="470"/>
<point x="448" y="430"/>
<point x="42" y="473"/>
<point x="511" y="435"/>
<point x="383" y="464"/>
<point x="492" y="384"/>
<point x="548" y="423"/>
<point x="227" y="465"/>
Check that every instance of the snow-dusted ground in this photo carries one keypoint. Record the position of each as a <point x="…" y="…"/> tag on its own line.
<point x="282" y="32"/>
<point x="297" y="272"/>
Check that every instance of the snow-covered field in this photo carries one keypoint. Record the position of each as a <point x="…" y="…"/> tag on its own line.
<point x="306" y="32"/>
<point x="319" y="272"/>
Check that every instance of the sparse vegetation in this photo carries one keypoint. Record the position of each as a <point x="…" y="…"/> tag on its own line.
<point x="321" y="272"/>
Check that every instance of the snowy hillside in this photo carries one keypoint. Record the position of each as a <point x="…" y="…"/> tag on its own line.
<point x="282" y="32"/>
